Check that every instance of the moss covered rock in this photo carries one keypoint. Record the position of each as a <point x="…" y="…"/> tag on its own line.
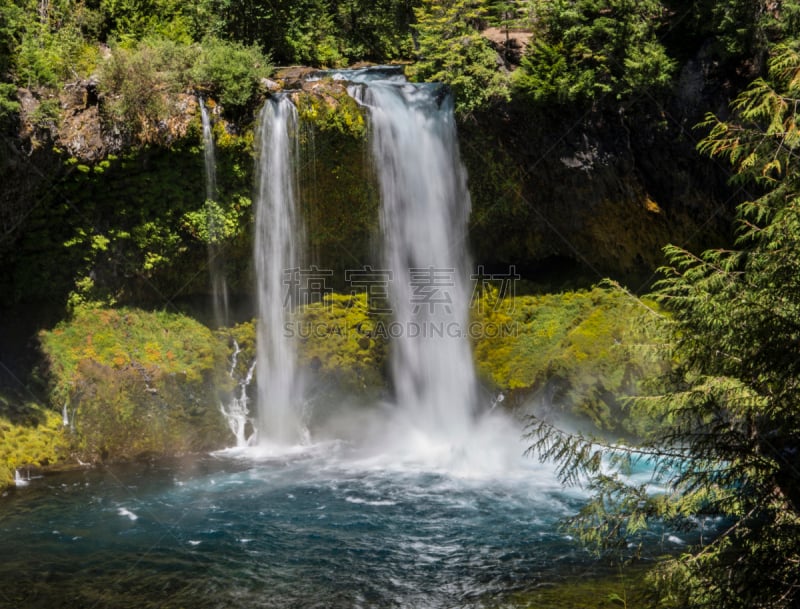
<point x="151" y="383"/>
<point x="339" y="347"/>
<point x="31" y="436"/>
<point x="582" y="352"/>
<point x="338" y="191"/>
<point x="138" y="383"/>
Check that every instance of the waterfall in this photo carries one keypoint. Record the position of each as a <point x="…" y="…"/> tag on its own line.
<point x="209" y="152"/>
<point x="237" y="413"/>
<point x="19" y="480"/>
<point x="425" y="207"/>
<point x="278" y="235"/>
<point x="216" y="261"/>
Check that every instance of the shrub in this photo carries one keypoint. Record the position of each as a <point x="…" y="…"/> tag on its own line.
<point x="49" y="57"/>
<point x="140" y="83"/>
<point x="9" y="106"/>
<point x="452" y="50"/>
<point x="230" y="70"/>
<point x="588" y="49"/>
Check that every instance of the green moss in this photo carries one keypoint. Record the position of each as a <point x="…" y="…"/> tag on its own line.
<point x="243" y="335"/>
<point x="587" y="346"/>
<point x="337" y="349"/>
<point x="329" y="107"/>
<point x="502" y="217"/>
<point x="36" y="440"/>
<point x="339" y="194"/>
<point x="138" y="382"/>
<point x="337" y="343"/>
<point x="142" y="382"/>
<point x="625" y="588"/>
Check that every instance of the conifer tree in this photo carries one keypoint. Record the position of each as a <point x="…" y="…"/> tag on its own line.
<point x="729" y="443"/>
<point x="451" y="50"/>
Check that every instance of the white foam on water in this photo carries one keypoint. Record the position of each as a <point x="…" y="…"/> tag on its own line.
<point x="127" y="513"/>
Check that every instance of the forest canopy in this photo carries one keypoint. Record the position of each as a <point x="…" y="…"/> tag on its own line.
<point x="561" y="52"/>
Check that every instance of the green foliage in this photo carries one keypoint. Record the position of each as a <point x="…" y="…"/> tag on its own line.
<point x="337" y="341"/>
<point x="137" y="382"/>
<point x="733" y="31"/>
<point x="117" y="337"/>
<point x="761" y="145"/>
<point x="375" y="30"/>
<point x="333" y="109"/>
<point x="314" y="32"/>
<point x="585" y="346"/>
<point x="309" y="33"/>
<point x="137" y="19"/>
<point x="141" y="84"/>
<point x="10" y="16"/>
<point x="245" y="336"/>
<point x="589" y="49"/>
<point x="38" y="440"/>
<point x="45" y="44"/>
<point x="341" y="354"/>
<point x="606" y="589"/>
<point x="214" y="223"/>
<point x="47" y="114"/>
<point x="250" y="22"/>
<point x="508" y="13"/>
<point x="137" y="229"/>
<point x="730" y="444"/>
<point x="231" y="71"/>
<point x="9" y="106"/>
<point x="51" y="53"/>
<point x="451" y="50"/>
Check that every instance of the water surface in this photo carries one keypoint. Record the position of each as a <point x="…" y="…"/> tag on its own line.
<point x="313" y="529"/>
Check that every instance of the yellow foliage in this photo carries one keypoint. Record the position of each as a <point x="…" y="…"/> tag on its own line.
<point x="37" y="445"/>
<point x="583" y="340"/>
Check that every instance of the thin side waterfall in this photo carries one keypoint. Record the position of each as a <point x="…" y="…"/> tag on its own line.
<point x="279" y="234"/>
<point x="209" y="152"/>
<point x="237" y="412"/>
<point x="425" y="207"/>
<point x="216" y="260"/>
<point x="19" y="480"/>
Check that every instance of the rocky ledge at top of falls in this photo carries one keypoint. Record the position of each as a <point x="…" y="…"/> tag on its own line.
<point x="73" y="120"/>
<point x="602" y="193"/>
<point x="80" y="128"/>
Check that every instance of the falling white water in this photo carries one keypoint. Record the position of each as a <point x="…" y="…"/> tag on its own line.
<point x="277" y="250"/>
<point x="19" y="480"/>
<point x="237" y="411"/>
<point x="209" y="152"/>
<point x="216" y="262"/>
<point x="425" y="207"/>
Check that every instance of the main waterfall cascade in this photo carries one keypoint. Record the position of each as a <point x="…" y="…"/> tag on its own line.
<point x="424" y="213"/>
<point x="425" y="207"/>
<point x="278" y="238"/>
